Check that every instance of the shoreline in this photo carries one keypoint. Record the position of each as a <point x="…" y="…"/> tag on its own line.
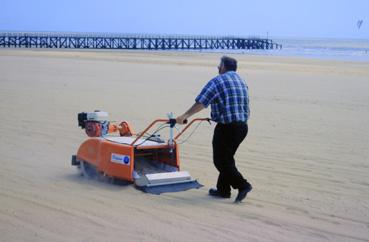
<point x="255" y="56"/>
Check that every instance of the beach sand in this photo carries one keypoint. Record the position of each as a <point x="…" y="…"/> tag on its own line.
<point x="306" y="153"/>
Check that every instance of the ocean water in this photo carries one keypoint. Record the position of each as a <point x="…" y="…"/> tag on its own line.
<point x="329" y="49"/>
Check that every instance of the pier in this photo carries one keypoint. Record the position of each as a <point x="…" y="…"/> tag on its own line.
<point x="132" y="41"/>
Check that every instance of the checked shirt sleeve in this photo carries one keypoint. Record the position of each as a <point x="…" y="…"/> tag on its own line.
<point x="207" y="94"/>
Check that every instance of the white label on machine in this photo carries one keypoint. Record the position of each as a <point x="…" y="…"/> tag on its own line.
<point x="120" y="159"/>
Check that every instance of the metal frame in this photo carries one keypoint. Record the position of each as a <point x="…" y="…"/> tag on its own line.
<point x="129" y="41"/>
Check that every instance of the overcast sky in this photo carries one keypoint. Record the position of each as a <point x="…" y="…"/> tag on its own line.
<point x="281" y="18"/>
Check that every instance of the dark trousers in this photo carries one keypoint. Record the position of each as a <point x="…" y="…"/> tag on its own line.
<point x="226" y="139"/>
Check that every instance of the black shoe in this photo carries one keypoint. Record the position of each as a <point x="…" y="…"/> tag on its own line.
<point x="242" y="194"/>
<point x="215" y="193"/>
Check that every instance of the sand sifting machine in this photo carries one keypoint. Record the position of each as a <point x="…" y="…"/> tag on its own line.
<point x="114" y="152"/>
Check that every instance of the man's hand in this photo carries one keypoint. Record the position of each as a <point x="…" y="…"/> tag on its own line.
<point x="181" y="119"/>
<point x="197" y="107"/>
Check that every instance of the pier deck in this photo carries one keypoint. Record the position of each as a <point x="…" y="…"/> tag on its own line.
<point x="130" y="41"/>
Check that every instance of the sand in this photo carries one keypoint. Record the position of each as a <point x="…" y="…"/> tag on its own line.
<point x="306" y="154"/>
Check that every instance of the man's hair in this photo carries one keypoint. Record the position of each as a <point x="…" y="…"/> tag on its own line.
<point x="230" y="64"/>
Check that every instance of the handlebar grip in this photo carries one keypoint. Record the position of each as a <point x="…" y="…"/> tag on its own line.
<point x="172" y="122"/>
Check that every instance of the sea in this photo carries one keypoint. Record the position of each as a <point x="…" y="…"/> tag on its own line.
<point x="356" y="50"/>
<point x="327" y="49"/>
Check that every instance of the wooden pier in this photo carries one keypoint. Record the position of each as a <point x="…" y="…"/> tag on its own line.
<point x="132" y="41"/>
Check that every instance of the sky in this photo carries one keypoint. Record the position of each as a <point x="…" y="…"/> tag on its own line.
<point x="272" y="18"/>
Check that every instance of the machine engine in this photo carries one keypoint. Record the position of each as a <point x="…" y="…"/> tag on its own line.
<point x="96" y="124"/>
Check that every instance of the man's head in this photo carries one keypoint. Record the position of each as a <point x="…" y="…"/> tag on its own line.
<point x="227" y="64"/>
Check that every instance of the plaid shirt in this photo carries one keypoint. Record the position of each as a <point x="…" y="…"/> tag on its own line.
<point x="228" y="95"/>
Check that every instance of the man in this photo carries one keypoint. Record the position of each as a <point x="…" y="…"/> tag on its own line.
<point x="227" y="94"/>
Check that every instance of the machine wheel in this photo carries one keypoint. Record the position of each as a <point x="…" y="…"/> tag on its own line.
<point x="88" y="170"/>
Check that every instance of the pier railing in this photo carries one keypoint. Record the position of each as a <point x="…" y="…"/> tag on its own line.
<point x="131" y="41"/>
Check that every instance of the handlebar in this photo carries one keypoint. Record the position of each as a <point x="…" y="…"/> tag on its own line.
<point x="172" y="122"/>
<point x="189" y="124"/>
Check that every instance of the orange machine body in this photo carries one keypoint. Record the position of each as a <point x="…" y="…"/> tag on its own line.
<point x="118" y="160"/>
<point x="120" y="156"/>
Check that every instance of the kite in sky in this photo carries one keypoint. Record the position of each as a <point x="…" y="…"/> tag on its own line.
<point x="359" y="23"/>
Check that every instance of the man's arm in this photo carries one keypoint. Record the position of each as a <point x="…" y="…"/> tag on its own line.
<point x="197" y="107"/>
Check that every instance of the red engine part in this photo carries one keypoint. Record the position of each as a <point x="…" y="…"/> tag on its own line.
<point x="125" y="129"/>
<point x="93" y="129"/>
